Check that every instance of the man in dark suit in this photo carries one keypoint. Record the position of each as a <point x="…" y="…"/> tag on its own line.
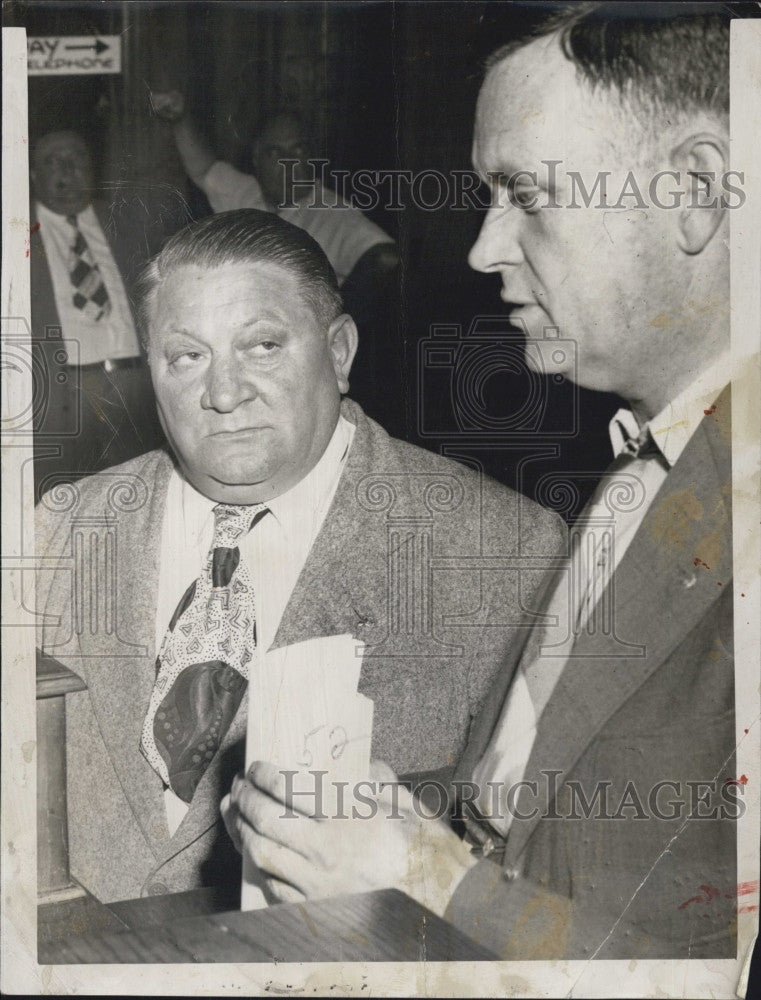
<point x="597" y="788"/>
<point x="250" y="352"/>
<point x="95" y="405"/>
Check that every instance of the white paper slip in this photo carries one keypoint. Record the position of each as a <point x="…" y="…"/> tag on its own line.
<point x="305" y="715"/>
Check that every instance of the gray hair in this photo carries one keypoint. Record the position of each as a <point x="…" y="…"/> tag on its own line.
<point x="244" y="236"/>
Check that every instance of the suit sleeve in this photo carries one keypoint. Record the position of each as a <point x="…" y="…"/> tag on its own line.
<point x="517" y="920"/>
<point x="520" y="919"/>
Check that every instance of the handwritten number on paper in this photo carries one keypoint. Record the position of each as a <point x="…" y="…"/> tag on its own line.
<point x="338" y="740"/>
<point x="337" y="743"/>
<point x="307" y="757"/>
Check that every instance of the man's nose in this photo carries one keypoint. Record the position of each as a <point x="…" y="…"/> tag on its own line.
<point x="227" y="386"/>
<point x="69" y="166"/>
<point x="66" y="172"/>
<point x="497" y="245"/>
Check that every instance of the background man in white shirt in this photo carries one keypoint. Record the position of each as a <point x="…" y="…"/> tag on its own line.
<point x="96" y="403"/>
<point x="628" y="690"/>
<point x="250" y="352"/>
<point x="354" y="245"/>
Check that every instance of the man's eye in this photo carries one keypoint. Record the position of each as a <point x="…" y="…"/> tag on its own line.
<point x="265" y="347"/>
<point x="186" y="359"/>
<point x="525" y="198"/>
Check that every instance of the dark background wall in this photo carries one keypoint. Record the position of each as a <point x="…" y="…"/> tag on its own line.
<point x="387" y="87"/>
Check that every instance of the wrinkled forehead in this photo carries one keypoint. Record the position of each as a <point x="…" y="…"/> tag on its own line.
<point x="61" y="144"/>
<point x="257" y="288"/>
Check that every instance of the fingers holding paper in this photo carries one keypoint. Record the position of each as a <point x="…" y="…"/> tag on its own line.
<point x="376" y="838"/>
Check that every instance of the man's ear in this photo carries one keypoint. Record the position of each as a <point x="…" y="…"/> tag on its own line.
<point x="703" y="160"/>
<point x="342" y="343"/>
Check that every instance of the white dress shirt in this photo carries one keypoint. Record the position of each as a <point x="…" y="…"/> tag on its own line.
<point x="598" y="541"/>
<point x="86" y="340"/>
<point x="275" y="551"/>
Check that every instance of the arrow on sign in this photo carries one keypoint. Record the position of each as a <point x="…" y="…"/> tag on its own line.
<point x="97" y="45"/>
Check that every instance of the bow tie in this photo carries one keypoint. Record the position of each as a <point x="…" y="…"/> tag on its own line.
<point x="631" y="441"/>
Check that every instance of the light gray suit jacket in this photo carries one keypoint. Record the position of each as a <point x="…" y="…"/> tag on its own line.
<point x="425" y="560"/>
<point x="638" y="885"/>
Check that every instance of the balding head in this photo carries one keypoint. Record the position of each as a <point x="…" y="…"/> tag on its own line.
<point x="62" y="174"/>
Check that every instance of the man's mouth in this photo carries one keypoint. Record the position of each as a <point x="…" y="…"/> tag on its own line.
<point x="515" y="296"/>
<point x="513" y="300"/>
<point x="237" y="432"/>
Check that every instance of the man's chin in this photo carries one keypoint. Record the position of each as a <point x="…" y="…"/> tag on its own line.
<point x="68" y="206"/>
<point x="532" y="321"/>
<point x="246" y="487"/>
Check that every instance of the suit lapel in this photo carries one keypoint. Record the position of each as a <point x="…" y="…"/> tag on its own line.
<point x="336" y="593"/>
<point x="120" y="685"/>
<point x="44" y="308"/>
<point x="674" y="570"/>
<point x="125" y="245"/>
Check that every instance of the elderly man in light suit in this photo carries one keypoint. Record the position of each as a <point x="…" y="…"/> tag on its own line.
<point x="276" y="488"/>
<point x="597" y="786"/>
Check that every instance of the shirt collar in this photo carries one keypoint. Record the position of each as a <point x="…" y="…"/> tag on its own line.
<point x="308" y="496"/>
<point x="673" y="427"/>
<point x="48" y="217"/>
<point x="305" y="499"/>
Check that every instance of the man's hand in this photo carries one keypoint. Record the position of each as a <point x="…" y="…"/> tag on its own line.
<point x="197" y="158"/>
<point x="385" y="843"/>
<point x="168" y="105"/>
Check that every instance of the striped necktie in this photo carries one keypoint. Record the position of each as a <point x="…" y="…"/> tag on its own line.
<point x="202" y="666"/>
<point x="90" y="294"/>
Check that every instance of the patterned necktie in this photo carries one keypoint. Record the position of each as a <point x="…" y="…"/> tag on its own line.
<point x="202" y="666"/>
<point x="90" y="294"/>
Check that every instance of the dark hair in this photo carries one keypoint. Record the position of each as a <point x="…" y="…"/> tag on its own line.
<point x="245" y="236"/>
<point x="656" y="56"/>
<point x="271" y="116"/>
<point x="37" y="139"/>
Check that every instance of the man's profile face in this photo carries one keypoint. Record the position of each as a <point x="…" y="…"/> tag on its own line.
<point x="282" y="139"/>
<point x="245" y="378"/>
<point x="601" y="276"/>
<point x="62" y="173"/>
